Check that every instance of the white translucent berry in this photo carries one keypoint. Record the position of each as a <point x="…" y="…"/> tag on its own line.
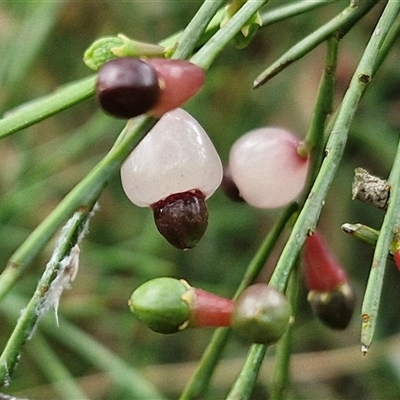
<point x="266" y="167"/>
<point x="174" y="157"/>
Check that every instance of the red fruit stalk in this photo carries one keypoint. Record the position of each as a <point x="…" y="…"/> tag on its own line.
<point x="331" y="297"/>
<point x="168" y="305"/>
<point x="207" y="309"/>
<point x="322" y="272"/>
<point x="179" y="80"/>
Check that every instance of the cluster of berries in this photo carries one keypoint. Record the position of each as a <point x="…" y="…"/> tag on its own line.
<point x="175" y="168"/>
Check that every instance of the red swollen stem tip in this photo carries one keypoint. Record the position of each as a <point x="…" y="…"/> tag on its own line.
<point x="322" y="272"/>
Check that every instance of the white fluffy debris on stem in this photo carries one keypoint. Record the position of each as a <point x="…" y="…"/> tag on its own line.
<point x="66" y="274"/>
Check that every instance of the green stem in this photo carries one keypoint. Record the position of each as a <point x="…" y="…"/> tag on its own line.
<point x="244" y="384"/>
<point x="391" y="37"/>
<point x="391" y="220"/>
<point x="200" y="379"/>
<point x="373" y="291"/>
<point x="286" y="11"/>
<point x="38" y="110"/>
<point x="341" y="24"/>
<point x="310" y="213"/>
<point x="315" y="140"/>
<point x="280" y="377"/>
<point x="363" y="233"/>
<point x="190" y="36"/>
<point x="265" y="249"/>
<point x="53" y="368"/>
<point x="71" y="94"/>
<point x="59" y="153"/>
<point x="206" y="55"/>
<point x="125" y="376"/>
<point x="20" y="53"/>
<point x="83" y="194"/>
<point x="40" y="301"/>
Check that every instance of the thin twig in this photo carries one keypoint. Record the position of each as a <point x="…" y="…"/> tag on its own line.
<point x="341" y="23"/>
<point x="62" y="268"/>
<point x="200" y="379"/>
<point x="310" y="213"/>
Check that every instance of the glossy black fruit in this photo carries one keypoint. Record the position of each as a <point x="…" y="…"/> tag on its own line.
<point x="182" y="218"/>
<point x="127" y="87"/>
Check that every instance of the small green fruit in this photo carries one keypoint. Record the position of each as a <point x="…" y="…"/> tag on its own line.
<point x="158" y="303"/>
<point x="261" y="314"/>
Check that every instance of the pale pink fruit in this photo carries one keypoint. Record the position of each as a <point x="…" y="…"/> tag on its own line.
<point x="175" y="156"/>
<point x="267" y="168"/>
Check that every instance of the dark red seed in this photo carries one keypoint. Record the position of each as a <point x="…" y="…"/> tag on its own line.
<point x="127" y="87"/>
<point x="182" y="218"/>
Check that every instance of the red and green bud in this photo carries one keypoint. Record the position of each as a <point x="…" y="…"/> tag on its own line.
<point x="168" y="305"/>
<point x="261" y="314"/>
<point x="331" y="297"/>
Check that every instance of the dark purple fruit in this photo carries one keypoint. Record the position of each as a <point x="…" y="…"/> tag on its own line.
<point x="127" y="87"/>
<point x="229" y="186"/>
<point x="182" y="218"/>
<point x="334" y="308"/>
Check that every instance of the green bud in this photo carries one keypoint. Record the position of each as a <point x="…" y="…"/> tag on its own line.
<point x="133" y="48"/>
<point x="242" y="38"/>
<point x="158" y="304"/>
<point x="100" y="51"/>
<point x="248" y="31"/>
<point x="110" y="47"/>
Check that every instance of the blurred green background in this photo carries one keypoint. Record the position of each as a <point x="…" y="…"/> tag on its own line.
<point x="41" y="48"/>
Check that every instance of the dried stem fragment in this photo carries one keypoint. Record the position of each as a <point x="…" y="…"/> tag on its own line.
<point x="370" y="189"/>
